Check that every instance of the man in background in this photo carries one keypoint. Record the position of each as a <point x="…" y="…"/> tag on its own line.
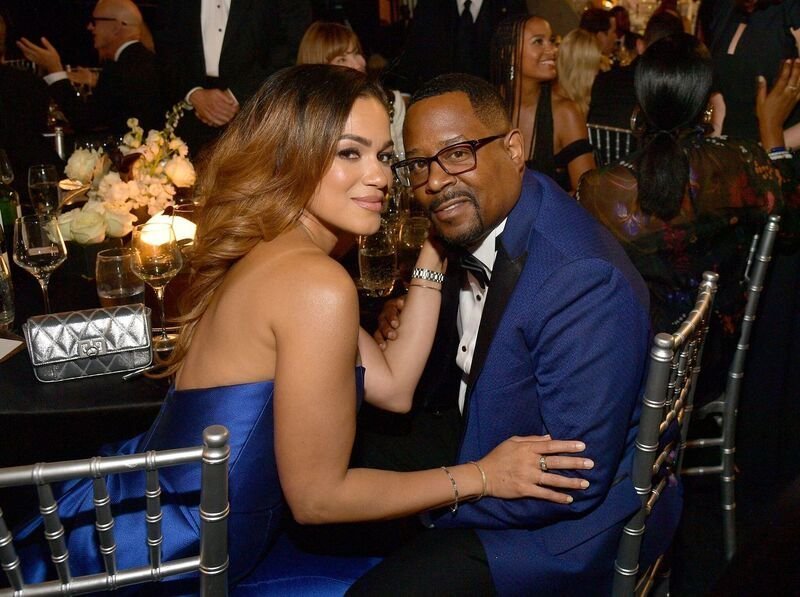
<point x="128" y="85"/>
<point x="450" y="36"/>
<point x="216" y="53"/>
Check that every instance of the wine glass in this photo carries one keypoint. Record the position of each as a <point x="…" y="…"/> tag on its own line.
<point x="6" y="297"/>
<point x="117" y="284"/>
<point x="412" y="235"/>
<point x="6" y="172"/>
<point x="157" y="260"/>
<point x="43" y="188"/>
<point x="39" y="248"/>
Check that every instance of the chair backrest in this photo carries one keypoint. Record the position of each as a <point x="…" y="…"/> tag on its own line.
<point x="610" y="143"/>
<point x="211" y="561"/>
<point x="671" y="380"/>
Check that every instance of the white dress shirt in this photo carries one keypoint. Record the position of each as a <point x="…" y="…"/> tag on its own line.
<point x="474" y="8"/>
<point x="213" y="21"/>
<point x="470" y="309"/>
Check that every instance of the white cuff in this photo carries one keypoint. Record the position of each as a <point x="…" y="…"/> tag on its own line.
<point x="186" y="97"/>
<point x="56" y="76"/>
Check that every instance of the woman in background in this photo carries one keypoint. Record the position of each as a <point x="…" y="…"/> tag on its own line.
<point x="685" y="203"/>
<point x="578" y="63"/>
<point x="333" y="43"/>
<point x="523" y="67"/>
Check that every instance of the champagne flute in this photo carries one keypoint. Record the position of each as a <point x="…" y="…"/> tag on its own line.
<point x="39" y="248"/>
<point x="6" y="172"/>
<point x="6" y="297"/>
<point x="157" y="260"/>
<point x="412" y="235"/>
<point x="43" y="188"/>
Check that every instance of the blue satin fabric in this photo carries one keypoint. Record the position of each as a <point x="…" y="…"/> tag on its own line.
<point x="256" y="501"/>
<point x="255" y="495"/>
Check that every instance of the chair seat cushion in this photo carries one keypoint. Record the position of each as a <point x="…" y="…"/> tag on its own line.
<point x="288" y="570"/>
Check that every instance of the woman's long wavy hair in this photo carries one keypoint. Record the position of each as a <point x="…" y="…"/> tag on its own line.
<point x="672" y="82"/>
<point x="579" y="57"/>
<point x="263" y="171"/>
<point x="505" y="73"/>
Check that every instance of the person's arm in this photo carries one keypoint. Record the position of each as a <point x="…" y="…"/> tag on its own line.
<point x="392" y="372"/>
<point x="570" y="126"/>
<point x="588" y="336"/>
<point x="315" y="334"/>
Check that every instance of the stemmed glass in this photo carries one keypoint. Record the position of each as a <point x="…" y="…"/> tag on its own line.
<point x="43" y="188"/>
<point x="157" y="260"/>
<point x="6" y="172"/>
<point x="39" y="248"/>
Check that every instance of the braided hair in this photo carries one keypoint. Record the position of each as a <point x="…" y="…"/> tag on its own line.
<point x="505" y="72"/>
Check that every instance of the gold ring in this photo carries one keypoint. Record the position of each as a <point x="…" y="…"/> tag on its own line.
<point x="543" y="463"/>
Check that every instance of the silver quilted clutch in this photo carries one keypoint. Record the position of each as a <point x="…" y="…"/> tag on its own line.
<point x="90" y="342"/>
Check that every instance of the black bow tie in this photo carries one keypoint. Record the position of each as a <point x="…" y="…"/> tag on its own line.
<point x="472" y="264"/>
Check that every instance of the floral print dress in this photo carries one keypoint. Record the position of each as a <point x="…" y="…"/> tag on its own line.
<point x="732" y="187"/>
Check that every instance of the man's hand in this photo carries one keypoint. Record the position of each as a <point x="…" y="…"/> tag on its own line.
<point x="388" y="321"/>
<point x="45" y="55"/>
<point x="774" y="107"/>
<point x="214" y="107"/>
<point x="83" y="76"/>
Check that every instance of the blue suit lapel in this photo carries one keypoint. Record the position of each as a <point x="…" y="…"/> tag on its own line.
<point x="511" y="256"/>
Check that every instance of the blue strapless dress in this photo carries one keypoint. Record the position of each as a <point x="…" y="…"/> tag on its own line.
<point x="256" y="500"/>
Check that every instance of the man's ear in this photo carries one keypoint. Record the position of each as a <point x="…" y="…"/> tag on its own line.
<point x="640" y="46"/>
<point x="515" y="146"/>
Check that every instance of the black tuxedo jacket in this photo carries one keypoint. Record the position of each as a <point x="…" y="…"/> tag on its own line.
<point x="127" y="88"/>
<point x="261" y="36"/>
<point x="613" y="97"/>
<point x="429" y="49"/>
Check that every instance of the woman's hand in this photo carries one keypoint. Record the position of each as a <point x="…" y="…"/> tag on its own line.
<point x="523" y="467"/>
<point x="774" y="107"/>
<point x="389" y="321"/>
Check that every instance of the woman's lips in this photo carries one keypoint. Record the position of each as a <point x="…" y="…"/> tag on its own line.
<point x="369" y="203"/>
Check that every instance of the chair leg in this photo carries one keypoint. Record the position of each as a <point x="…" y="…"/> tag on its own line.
<point x="728" y="478"/>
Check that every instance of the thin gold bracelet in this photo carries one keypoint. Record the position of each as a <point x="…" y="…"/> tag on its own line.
<point x="439" y="289"/>
<point x="483" y="479"/>
<point x="454" y="507"/>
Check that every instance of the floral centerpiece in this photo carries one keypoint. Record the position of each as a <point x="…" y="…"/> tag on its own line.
<point x="141" y="174"/>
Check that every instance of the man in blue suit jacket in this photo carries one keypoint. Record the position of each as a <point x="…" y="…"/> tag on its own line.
<point x="558" y="344"/>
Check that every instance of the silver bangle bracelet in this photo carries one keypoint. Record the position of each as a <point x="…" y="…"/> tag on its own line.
<point x="427" y="274"/>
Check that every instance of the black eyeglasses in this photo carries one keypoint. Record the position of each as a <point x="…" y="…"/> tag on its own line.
<point x="454" y="159"/>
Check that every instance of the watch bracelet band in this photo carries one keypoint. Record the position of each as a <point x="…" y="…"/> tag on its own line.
<point x="427" y="274"/>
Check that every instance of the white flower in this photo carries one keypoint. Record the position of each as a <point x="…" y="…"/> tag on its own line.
<point x="180" y="171"/>
<point x="119" y="222"/>
<point x="88" y="227"/>
<point x="65" y="223"/>
<point x="81" y="164"/>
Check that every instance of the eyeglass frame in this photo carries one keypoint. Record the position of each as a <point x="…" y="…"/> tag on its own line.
<point x="474" y="145"/>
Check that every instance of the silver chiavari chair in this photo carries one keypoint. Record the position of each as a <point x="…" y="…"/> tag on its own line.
<point x="211" y="560"/>
<point x="726" y="405"/>
<point x="671" y="381"/>
<point x="610" y="143"/>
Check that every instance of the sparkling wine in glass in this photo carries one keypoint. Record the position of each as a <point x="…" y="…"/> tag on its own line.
<point x="412" y="235"/>
<point x="157" y="260"/>
<point x="43" y="188"/>
<point x="39" y="248"/>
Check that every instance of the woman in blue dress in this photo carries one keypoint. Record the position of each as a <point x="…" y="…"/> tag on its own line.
<point x="271" y="340"/>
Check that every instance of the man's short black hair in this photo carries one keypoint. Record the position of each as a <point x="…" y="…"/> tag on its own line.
<point x="485" y="100"/>
<point x="595" y="20"/>
<point x="662" y="25"/>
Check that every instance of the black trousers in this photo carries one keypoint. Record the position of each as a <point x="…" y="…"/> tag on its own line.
<point x="418" y="561"/>
<point x="438" y="563"/>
